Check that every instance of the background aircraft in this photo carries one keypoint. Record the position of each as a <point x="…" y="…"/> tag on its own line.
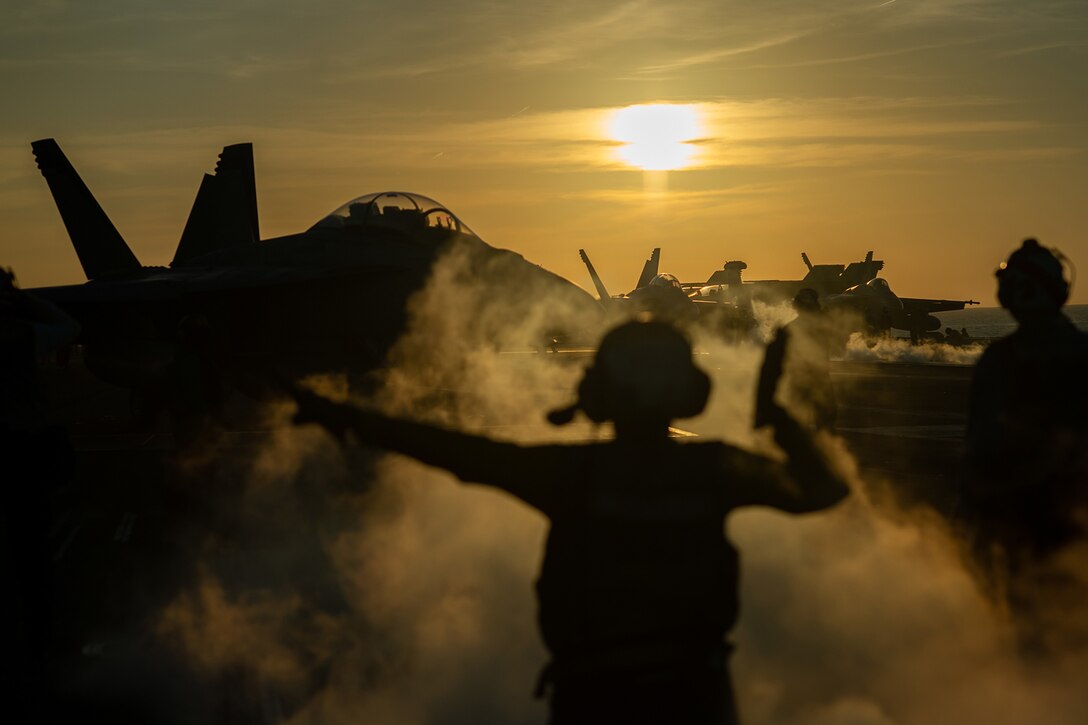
<point x="826" y="279"/>
<point x="654" y="292"/>
<point x="854" y="286"/>
<point x="873" y="304"/>
<point x="332" y="297"/>
<point x="664" y="296"/>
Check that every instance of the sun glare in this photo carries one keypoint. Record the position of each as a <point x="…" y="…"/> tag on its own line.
<point x="656" y="137"/>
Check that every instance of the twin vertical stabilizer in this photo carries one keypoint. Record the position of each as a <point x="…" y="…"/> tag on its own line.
<point x="224" y="212"/>
<point x="602" y="292"/>
<point x="101" y="249"/>
<point x="649" y="271"/>
<point x="650" y="268"/>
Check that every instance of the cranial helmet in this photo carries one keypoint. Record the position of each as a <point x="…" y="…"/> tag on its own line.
<point x="806" y="299"/>
<point x="643" y="370"/>
<point x="1032" y="280"/>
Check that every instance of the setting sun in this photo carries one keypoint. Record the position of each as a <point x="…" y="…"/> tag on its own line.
<point x="656" y="137"/>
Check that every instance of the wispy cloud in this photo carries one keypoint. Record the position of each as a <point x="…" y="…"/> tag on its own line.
<point x="1070" y="44"/>
<point x="707" y="57"/>
<point x="338" y="42"/>
<point x="811" y="62"/>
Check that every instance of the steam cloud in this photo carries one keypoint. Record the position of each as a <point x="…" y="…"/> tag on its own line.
<point x="392" y="594"/>
<point x="891" y="349"/>
<point x="862" y="349"/>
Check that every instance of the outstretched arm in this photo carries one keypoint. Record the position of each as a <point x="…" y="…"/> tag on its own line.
<point x="526" y="472"/>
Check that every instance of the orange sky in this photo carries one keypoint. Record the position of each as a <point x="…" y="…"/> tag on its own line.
<point x="937" y="132"/>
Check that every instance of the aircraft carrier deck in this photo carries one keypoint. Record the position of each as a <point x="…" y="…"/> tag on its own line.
<point x="126" y="530"/>
<point x="905" y="423"/>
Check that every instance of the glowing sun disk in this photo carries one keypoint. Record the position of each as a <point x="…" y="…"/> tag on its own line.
<point x="656" y="136"/>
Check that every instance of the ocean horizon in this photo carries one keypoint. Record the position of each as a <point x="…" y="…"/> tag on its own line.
<point x="989" y="322"/>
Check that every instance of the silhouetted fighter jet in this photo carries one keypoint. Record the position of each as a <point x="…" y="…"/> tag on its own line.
<point x="855" y="285"/>
<point x="655" y="292"/>
<point x="329" y="298"/>
<point x="663" y="295"/>
<point x="826" y="279"/>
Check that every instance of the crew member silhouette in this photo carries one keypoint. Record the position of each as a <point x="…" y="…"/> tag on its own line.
<point x="1026" y="498"/>
<point x="638" y="587"/>
<point x="803" y="349"/>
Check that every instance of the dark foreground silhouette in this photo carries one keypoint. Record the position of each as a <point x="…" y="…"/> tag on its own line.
<point x="1026" y="498"/>
<point x="638" y="587"/>
<point x="36" y="457"/>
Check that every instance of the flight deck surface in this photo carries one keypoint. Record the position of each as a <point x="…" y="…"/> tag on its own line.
<point x="136" y="525"/>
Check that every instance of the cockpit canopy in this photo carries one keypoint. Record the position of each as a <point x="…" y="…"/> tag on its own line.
<point x="665" y="280"/>
<point x="877" y="285"/>
<point x="398" y="210"/>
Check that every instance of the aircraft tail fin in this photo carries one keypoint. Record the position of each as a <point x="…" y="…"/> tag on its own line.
<point x="224" y="213"/>
<point x="601" y="291"/>
<point x="649" y="270"/>
<point x="100" y="248"/>
<point x="861" y="272"/>
<point x="729" y="274"/>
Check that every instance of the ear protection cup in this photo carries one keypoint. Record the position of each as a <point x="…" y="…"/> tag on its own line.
<point x="697" y="395"/>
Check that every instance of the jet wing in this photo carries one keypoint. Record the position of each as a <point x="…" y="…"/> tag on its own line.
<point x="915" y="305"/>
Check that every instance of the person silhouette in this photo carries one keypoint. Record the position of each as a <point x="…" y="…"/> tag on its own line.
<point x="1025" y="498"/>
<point x="638" y="587"/>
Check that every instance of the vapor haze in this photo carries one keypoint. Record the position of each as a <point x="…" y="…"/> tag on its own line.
<point x="893" y="349"/>
<point x="425" y="613"/>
